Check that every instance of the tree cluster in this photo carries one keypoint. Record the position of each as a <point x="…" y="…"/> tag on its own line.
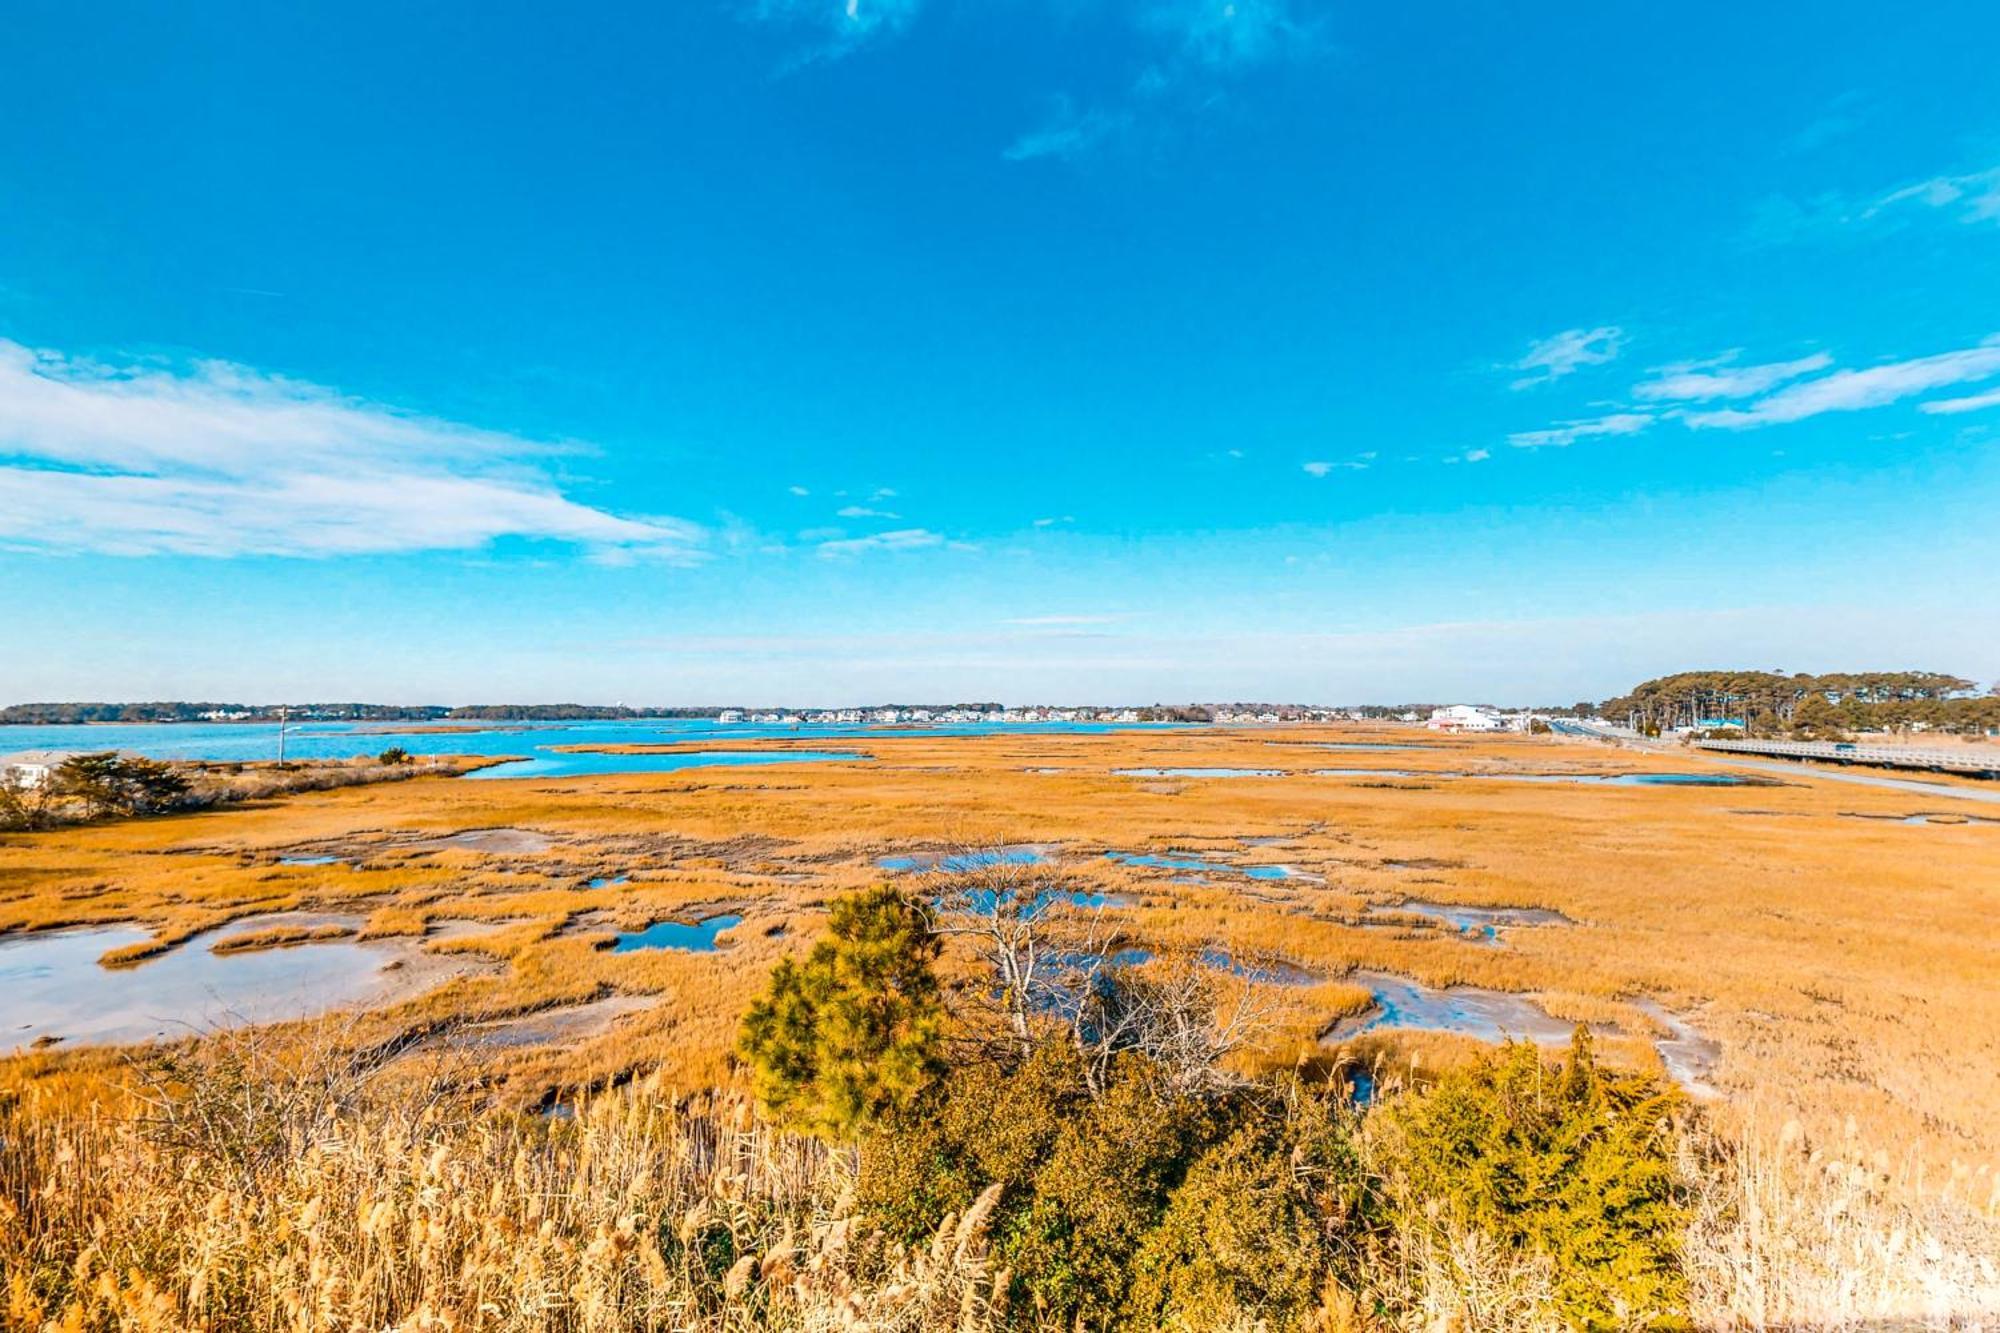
<point x="1133" y="1176"/>
<point x="1769" y="703"/>
<point x="92" y="786"/>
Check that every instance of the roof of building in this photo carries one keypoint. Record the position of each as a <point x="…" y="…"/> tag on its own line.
<point x="36" y="758"/>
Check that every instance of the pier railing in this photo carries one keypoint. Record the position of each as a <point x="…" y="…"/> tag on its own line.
<point x="1885" y="756"/>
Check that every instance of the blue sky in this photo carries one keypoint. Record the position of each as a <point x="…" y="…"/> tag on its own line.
<point x="1104" y="350"/>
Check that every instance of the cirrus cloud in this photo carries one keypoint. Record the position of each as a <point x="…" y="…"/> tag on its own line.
<point x="1856" y="390"/>
<point x="219" y="460"/>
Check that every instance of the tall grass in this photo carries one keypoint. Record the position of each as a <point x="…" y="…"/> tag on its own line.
<point x="641" y="1212"/>
<point x="244" y="1187"/>
<point x="1790" y="1234"/>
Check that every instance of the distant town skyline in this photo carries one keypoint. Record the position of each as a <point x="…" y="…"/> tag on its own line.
<point x="829" y="353"/>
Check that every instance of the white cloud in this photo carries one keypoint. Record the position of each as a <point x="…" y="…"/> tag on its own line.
<point x="799" y="490"/>
<point x="844" y="23"/>
<point x="1569" y="432"/>
<point x="1233" y="34"/>
<point x="1855" y="390"/>
<point x="1951" y="406"/>
<point x="1322" y="468"/>
<point x="1567" y="352"/>
<point x="1699" y="381"/>
<point x="1067" y="134"/>
<point x="901" y="539"/>
<point x="218" y="460"/>
<point x="863" y="511"/>
<point x="1478" y="455"/>
<point x="1972" y="197"/>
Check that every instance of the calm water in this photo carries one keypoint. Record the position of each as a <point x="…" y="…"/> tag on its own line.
<point x="959" y="863"/>
<point x="987" y="902"/>
<point x="1489" y="1015"/>
<point x="51" y="983"/>
<point x="677" y="935"/>
<point x="1197" y="863"/>
<point x="1480" y="922"/>
<point x="246" y="742"/>
<point x="553" y="764"/>
<point x="1586" y="779"/>
<point x="1199" y="772"/>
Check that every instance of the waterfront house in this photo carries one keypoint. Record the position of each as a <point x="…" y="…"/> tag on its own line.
<point x="31" y="768"/>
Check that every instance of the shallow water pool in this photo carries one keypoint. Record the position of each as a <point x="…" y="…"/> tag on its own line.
<point x="698" y="938"/>
<point x="52" y="985"/>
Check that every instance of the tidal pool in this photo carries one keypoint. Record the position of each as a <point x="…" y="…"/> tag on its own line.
<point x="1479" y="921"/>
<point x="308" y="860"/>
<point x="1199" y="772"/>
<point x="1168" y="862"/>
<point x="698" y="938"/>
<point x="1586" y="779"/>
<point x="569" y="1023"/>
<point x="988" y="902"/>
<point x="1489" y="1015"/>
<point x="1272" y="972"/>
<point x="1690" y="1058"/>
<point x="1370" y="745"/>
<point x="1493" y="1016"/>
<point x="558" y="764"/>
<point x="51" y="984"/>
<point x="959" y="863"/>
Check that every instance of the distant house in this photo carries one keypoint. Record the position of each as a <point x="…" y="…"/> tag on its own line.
<point x="31" y="768"/>
<point x="1465" y="717"/>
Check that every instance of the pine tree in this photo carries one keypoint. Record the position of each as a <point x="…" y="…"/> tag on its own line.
<point x="856" y="1029"/>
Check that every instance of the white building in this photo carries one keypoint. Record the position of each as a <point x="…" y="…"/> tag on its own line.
<point x="1465" y="717"/>
<point x="31" y="768"/>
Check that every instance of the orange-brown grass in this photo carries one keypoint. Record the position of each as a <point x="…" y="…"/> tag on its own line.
<point x="1845" y="964"/>
<point x="280" y="937"/>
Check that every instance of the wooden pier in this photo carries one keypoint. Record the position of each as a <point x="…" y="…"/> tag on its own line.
<point x="1969" y="760"/>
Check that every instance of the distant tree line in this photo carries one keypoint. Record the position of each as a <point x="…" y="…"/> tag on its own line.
<point x="110" y="785"/>
<point x="1771" y="703"/>
<point x="61" y="714"/>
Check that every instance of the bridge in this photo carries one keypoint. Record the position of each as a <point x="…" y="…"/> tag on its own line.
<point x="1968" y="760"/>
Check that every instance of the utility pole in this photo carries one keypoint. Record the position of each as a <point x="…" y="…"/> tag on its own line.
<point x="281" y="735"/>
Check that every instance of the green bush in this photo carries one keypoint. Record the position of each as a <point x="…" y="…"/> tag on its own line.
<point x="1569" y="1161"/>
<point x="1138" y="1208"/>
<point x="1261" y="1220"/>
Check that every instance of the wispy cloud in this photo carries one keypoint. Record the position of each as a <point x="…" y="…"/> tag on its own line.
<point x="900" y="539"/>
<point x="1952" y="406"/>
<point x="1855" y="390"/>
<point x="1569" y="432"/>
<point x="1324" y="468"/>
<point x="1190" y="53"/>
<point x="1972" y="197"/>
<point x="1233" y="34"/>
<point x="1566" y="353"/>
<point x="1478" y="455"/>
<point x="798" y="490"/>
<point x="839" y="25"/>
<point x="863" y="511"/>
<point x="1068" y="133"/>
<point x="1968" y="198"/>
<point x="218" y="460"/>
<point x="1700" y="381"/>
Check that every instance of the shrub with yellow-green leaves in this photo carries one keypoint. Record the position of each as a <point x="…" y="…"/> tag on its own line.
<point x="1572" y="1164"/>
